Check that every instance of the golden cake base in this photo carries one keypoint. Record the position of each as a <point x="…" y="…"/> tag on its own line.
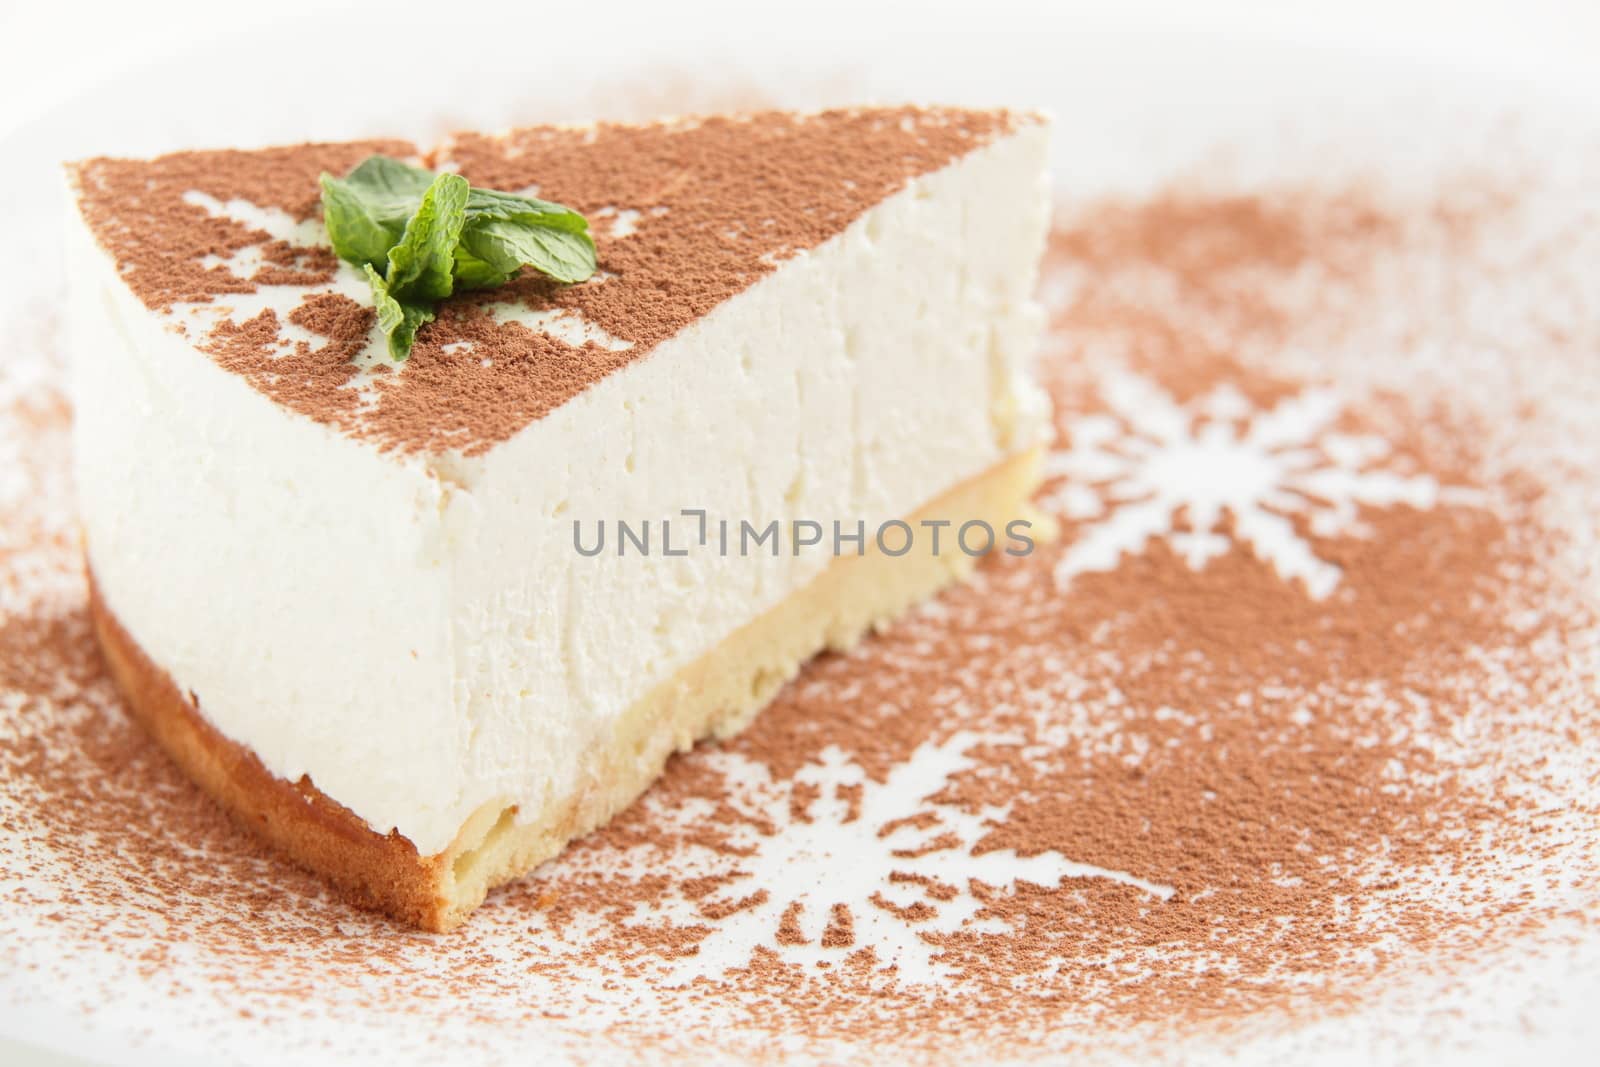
<point x="716" y="695"/>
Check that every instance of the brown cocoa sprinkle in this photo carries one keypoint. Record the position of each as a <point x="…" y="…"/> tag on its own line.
<point x="1294" y="808"/>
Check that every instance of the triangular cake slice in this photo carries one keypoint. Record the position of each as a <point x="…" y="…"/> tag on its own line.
<point x="359" y="601"/>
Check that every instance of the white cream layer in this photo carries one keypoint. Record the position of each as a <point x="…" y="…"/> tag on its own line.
<point x="418" y="634"/>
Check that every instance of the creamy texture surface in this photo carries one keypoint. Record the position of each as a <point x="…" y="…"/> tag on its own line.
<point x="415" y="630"/>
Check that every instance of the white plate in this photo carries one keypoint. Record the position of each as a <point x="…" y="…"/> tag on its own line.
<point x="1136" y="111"/>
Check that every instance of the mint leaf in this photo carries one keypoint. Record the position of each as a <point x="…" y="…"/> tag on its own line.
<point x="474" y="273"/>
<point x="392" y="189"/>
<point x="405" y="334"/>
<point x="419" y="266"/>
<point x="390" y="313"/>
<point x="419" y="235"/>
<point x="508" y="231"/>
<point x="399" y="322"/>
<point x="506" y="244"/>
<point x="486" y="204"/>
<point x="357" y="235"/>
<point x="366" y="211"/>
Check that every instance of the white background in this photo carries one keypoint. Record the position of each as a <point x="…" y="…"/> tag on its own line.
<point x="50" y="52"/>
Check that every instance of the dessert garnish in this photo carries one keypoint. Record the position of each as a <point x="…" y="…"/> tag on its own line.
<point x="419" y="236"/>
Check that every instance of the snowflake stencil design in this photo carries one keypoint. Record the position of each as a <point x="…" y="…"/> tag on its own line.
<point x="1149" y="467"/>
<point x="830" y="863"/>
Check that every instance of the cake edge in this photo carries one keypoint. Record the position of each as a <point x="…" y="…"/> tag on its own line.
<point x="717" y="695"/>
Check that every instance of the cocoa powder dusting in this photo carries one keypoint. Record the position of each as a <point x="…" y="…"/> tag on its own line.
<point x="151" y="217"/>
<point x="1297" y="720"/>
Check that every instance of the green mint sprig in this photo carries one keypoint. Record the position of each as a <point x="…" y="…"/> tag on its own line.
<point x="418" y="236"/>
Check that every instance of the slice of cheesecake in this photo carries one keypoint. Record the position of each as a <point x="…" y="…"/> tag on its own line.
<point x="367" y="605"/>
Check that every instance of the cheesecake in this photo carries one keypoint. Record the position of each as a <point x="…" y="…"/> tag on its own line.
<point x="419" y="623"/>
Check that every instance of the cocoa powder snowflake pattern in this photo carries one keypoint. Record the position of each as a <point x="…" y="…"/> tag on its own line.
<point x="1147" y="467"/>
<point x="828" y="862"/>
